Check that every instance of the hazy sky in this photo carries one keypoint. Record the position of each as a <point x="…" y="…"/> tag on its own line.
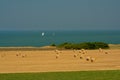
<point x="59" y="14"/>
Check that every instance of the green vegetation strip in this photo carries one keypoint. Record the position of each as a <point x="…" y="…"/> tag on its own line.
<point x="84" y="45"/>
<point x="78" y="75"/>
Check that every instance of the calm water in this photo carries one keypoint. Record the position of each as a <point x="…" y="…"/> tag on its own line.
<point x="35" y="38"/>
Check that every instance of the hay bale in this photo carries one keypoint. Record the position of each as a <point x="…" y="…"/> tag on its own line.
<point x="106" y="52"/>
<point x="88" y="58"/>
<point x="81" y="56"/>
<point x="93" y="59"/>
<point x="57" y="56"/>
<point x="75" y="55"/>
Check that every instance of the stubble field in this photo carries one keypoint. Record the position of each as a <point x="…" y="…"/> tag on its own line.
<point x="19" y="61"/>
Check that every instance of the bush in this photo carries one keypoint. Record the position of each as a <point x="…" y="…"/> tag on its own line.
<point x="101" y="45"/>
<point x="53" y="45"/>
<point x="85" y="45"/>
<point x="66" y="45"/>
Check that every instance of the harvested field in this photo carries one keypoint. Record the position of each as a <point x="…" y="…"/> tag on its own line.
<point x="18" y="61"/>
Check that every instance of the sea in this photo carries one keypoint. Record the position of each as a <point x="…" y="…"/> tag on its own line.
<point x="47" y="37"/>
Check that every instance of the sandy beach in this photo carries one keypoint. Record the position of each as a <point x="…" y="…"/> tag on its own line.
<point x="18" y="60"/>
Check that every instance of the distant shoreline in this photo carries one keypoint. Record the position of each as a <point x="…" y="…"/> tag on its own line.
<point x="112" y="46"/>
<point x="27" y="48"/>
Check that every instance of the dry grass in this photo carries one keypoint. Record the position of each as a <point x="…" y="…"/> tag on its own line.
<point x="45" y="61"/>
<point x="114" y="46"/>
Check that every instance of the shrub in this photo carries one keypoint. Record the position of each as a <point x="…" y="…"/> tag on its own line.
<point x="101" y="45"/>
<point x="66" y="45"/>
<point x="85" y="45"/>
<point x="53" y="45"/>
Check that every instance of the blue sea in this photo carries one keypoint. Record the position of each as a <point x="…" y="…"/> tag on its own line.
<point x="43" y="38"/>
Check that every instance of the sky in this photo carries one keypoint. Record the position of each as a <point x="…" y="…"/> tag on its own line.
<point x="59" y="14"/>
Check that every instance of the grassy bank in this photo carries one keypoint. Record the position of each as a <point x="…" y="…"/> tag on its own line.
<point x="78" y="75"/>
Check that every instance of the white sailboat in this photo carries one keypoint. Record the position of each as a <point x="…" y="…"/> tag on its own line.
<point x="43" y="33"/>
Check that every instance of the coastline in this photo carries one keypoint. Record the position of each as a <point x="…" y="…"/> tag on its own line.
<point x="112" y="46"/>
<point x="27" y="48"/>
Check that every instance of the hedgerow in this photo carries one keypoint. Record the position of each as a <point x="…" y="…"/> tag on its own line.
<point x="84" y="45"/>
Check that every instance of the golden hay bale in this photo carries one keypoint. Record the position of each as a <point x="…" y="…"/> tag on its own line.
<point x="106" y="52"/>
<point x="57" y="56"/>
<point x="81" y="56"/>
<point x="93" y="59"/>
<point x="75" y="55"/>
<point x="100" y="50"/>
<point x="88" y="58"/>
<point x="24" y="55"/>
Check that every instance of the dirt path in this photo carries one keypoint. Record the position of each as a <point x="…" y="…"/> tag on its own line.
<point x="49" y="61"/>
